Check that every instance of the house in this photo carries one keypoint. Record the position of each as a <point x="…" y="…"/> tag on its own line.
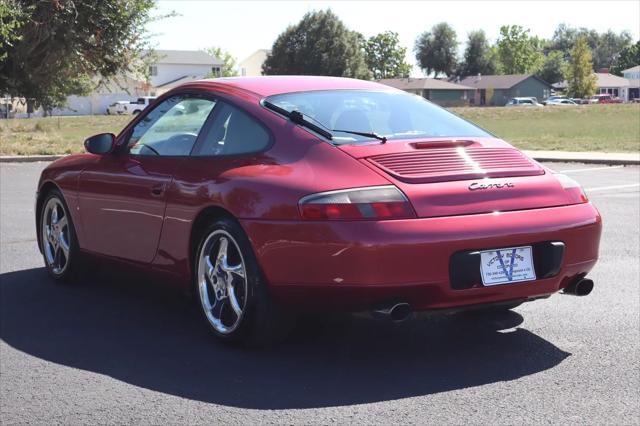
<point x="498" y="89"/>
<point x="174" y="67"/>
<point x="619" y="87"/>
<point x="252" y="65"/>
<point x="169" y="69"/>
<point x="633" y="75"/>
<point x="440" y="92"/>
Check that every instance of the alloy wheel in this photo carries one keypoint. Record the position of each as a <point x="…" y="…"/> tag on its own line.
<point x="55" y="236"/>
<point x="222" y="281"/>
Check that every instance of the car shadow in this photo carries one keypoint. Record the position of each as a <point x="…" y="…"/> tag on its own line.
<point x="149" y="336"/>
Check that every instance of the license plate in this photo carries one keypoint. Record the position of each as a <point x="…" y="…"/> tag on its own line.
<point x="507" y="265"/>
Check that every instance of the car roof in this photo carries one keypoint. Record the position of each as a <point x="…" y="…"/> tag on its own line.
<point x="273" y="85"/>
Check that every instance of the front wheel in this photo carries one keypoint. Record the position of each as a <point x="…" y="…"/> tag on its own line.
<point x="231" y="291"/>
<point x="58" y="238"/>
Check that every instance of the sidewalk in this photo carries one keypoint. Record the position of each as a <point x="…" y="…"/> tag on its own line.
<point x="552" y="156"/>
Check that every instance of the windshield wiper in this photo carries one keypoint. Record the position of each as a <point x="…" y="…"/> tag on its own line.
<point x="299" y="118"/>
<point x="382" y="139"/>
<point x="304" y="120"/>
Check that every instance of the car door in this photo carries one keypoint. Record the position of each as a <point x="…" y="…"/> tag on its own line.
<point x="122" y="196"/>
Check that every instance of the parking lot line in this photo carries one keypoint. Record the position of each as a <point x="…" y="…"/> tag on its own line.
<point x="604" y="188"/>
<point x="591" y="169"/>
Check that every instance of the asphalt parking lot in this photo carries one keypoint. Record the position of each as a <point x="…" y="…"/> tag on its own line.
<point x="125" y="351"/>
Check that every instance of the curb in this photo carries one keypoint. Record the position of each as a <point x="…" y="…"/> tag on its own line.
<point x="605" y="161"/>
<point x="28" y="158"/>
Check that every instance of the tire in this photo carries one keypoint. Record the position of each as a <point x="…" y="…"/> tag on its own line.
<point x="231" y="290"/>
<point x="60" y="250"/>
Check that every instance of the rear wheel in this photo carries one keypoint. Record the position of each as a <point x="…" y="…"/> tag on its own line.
<point x="231" y="291"/>
<point x="58" y="238"/>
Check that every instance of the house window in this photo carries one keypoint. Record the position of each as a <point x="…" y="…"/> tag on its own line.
<point x="243" y="72"/>
<point x="153" y="70"/>
<point x="216" y="71"/>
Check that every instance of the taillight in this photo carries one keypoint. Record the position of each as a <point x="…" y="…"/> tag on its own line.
<point x="369" y="203"/>
<point x="573" y="188"/>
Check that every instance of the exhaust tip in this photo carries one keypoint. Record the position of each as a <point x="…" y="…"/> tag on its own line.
<point x="397" y="312"/>
<point x="581" y="287"/>
<point x="400" y="312"/>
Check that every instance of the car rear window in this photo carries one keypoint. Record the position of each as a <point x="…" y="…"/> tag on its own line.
<point x="395" y="115"/>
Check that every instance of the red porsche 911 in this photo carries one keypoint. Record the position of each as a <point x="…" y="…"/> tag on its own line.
<point x="271" y="196"/>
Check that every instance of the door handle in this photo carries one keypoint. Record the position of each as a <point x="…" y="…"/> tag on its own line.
<point x="158" y="190"/>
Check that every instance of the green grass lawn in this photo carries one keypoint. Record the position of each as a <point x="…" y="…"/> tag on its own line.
<point x="609" y="128"/>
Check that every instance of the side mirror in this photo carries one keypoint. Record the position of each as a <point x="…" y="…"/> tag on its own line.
<point x="100" y="144"/>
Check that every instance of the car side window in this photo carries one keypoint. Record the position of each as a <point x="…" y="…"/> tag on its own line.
<point x="232" y="132"/>
<point x="172" y="127"/>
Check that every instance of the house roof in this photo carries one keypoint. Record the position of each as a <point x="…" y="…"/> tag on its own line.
<point x="422" y="83"/>
<point x="188" y="57"/>
<point x="610" y="80"/>
<point x="632" y="69"/>
<point x="604" y="80"/>
<point x="497" y="81"/>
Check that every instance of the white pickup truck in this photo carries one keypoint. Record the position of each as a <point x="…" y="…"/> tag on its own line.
<point x="126" y="107"/>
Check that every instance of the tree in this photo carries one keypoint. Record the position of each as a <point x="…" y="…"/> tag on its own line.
<point x="605" y="47"/>
<point x="478" y="58"/>
<point x="320" y="44"/>
<point x="385" y="57"/>
<point x="12" y="18"/>
<point x="609" y="47"/>
<point x="436" y="50"/>
<point x="580" y="78"/>
<point x="553" y="67"/>
<point x="518" y="52"/>
<point x="62" y="45"/>
<point x="629" y="57"/>
<point x="229" y="63"/>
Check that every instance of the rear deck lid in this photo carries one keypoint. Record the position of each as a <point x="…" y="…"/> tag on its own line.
<point x="445" y="178"/>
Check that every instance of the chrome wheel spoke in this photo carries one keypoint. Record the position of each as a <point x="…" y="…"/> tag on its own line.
<point x="222" y="250"/>
<point x="235" y="269"/>
<point x="54" y="215"/>
<point x="210" y="269"/>
<point x="233" y="301"/>
<point x="62" y="222"/>
<point x="64" y="245"/>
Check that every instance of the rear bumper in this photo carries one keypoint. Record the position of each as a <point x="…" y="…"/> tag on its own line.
<point x="355" y="265"/>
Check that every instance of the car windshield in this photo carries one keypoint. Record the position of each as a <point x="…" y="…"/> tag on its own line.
<point x="394" y="115"/>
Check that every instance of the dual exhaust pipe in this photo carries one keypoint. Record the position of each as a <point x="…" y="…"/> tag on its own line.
<point x="399" y="312"/>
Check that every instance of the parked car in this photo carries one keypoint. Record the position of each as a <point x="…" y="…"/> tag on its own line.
<point x="553" y="98"/>
<point x="271" y="196"/>
<point x="605" y="99"/>
<point x="580" y="101"/>
<point x="118" y="108"/>
<point x="140" y="104"/>
<point x="523" y="102"/>
<point x="561" y="102"/>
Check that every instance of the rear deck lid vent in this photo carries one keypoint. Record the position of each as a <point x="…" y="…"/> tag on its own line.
<point x="456" y="163"/>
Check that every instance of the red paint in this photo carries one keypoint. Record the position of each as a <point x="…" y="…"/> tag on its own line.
<point x="142" y="209"/>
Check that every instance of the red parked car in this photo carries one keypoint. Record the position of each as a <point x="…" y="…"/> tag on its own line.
<point x="274" y="195"/>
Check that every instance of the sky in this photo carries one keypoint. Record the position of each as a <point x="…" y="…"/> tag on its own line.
<point x="242" y="27"/>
